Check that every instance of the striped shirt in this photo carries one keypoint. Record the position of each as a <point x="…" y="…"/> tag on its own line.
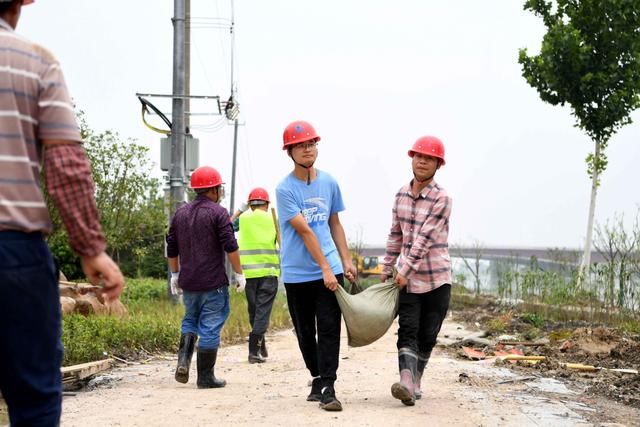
<point x="418" y="240"/>
<point x="35" y="106"/>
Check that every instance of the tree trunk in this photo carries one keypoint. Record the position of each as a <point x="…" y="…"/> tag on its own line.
<point x="586" y="256"/>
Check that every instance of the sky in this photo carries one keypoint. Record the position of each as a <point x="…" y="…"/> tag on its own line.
<point x="371" y="76"/>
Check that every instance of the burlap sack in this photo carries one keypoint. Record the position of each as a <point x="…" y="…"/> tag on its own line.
<point x="368" y="314"/>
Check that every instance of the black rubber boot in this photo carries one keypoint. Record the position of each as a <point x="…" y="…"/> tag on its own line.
<point x="185" y="353"/>
<point x="404" y="389"/>
<point x="329" y="402"/>
<point x="206" y="362"/>
<point x="263" y="348"/>
<point x="254" y="349"/>
<point x="316" y="390"/>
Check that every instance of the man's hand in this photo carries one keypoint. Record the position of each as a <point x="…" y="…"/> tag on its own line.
<point x="101" y="269"/>
<point x="350" y="271"/>
<point x="175" y="289"/>
<point x="242" y="282"/>
<point x="243" y="207"/>
<point x="384" y="277"/>
<point x="401" y="281"/>
<point x="329" y="279"/>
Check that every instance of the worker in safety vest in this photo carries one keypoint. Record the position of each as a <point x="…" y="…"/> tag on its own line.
<point x="258" y="238"/>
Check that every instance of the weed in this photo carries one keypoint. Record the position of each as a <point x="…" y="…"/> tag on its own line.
<point x="497" y="326"/>
<point x="560" y="335"/>
<point x="533" y="319"/>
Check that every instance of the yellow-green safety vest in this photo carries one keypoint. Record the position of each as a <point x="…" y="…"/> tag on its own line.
<point x="257" y="241"/>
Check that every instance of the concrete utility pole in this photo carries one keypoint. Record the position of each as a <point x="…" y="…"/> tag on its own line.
<point x="187" y="66"/>
<point x="177" y="166"/>
<point x="233" y="166"/>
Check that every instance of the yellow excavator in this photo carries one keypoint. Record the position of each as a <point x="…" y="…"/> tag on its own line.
<point x="368" y="265"/>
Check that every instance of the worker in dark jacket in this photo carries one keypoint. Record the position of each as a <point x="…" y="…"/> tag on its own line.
<point x="199" y="235"/>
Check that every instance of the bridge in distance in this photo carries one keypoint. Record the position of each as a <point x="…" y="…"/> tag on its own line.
<point x="520" y="255"/>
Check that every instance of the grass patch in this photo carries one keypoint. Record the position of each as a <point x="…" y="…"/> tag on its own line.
<point x="533" y="319"/>
<point x="153" y="325"/>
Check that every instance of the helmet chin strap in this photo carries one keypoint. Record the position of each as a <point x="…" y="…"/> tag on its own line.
<point x="308" y="168"/>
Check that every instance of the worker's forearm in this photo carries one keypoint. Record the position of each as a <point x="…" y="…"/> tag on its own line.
<point x="313" y="246"/>
<point x="234" y="259"/>
<point x="339" y="238"/>
<point x="71" y="187"/>
<point x="174" y="264"/>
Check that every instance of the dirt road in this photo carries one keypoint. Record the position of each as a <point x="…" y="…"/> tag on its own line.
<point x="456" y="393"/>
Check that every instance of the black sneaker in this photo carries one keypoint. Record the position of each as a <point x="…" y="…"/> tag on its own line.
<point x="329" y="401"/>
<point x="316" y="390"/>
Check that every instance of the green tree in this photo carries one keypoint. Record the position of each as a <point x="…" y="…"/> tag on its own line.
<point x="128" y="200"/>
<point x="589" y="60"/>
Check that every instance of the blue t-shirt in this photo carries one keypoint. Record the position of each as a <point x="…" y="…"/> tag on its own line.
<point x="316" y="202"/>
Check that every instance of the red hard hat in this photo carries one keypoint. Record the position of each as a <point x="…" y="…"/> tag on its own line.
<point x="205" y="177"/>
<point x="259" y="194"/>
<point x="297" y="132"/>
<point x="429" y="146"/>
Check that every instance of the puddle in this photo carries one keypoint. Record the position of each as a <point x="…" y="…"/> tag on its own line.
<point x="549" y="385"/>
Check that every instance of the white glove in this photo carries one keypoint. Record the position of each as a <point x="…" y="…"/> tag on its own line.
<point x="175" y="289"/>
<point x="242" y="282"/>
<point x="243" y="207"/>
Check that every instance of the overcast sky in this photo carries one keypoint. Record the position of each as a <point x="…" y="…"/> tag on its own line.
<point x="371" y="76"/>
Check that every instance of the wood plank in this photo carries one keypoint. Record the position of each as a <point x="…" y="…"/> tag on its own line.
<point x="85" y="370"/>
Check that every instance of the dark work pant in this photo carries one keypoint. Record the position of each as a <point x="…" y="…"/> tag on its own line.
<point x="420" y="318"/>
<point x="311" y="303"/>
<point x="261" y="292"/>
<point x="30" y="330"/>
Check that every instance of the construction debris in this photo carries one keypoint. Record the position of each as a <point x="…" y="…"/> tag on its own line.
<point x="72" y="375"/>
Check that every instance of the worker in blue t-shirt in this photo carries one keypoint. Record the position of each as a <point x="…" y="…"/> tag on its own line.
<point x="314" y="258"/>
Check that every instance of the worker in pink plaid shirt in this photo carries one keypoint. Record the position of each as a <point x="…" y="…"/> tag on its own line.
<point x="417" y="246"/>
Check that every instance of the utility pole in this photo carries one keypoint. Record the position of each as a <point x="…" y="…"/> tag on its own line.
<point x="235" y="121"/>
<point x="233" y="166"/>
<point x="177" y="162"/>
<point x="187" y="66"/>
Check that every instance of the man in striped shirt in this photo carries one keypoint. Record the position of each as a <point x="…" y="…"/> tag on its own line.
<point x="38" y="127"/>
<point x="417" y="246"/>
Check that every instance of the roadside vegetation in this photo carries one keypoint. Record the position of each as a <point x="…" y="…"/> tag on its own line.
<point x="152" y="325"/>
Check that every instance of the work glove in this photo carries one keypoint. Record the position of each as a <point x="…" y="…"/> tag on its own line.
<point x="243" y="207"/>
<point x="175" y="289"/>
<point x="241" y="282"/>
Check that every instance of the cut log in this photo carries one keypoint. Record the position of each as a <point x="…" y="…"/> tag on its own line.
<point x="89" y="304"/>
<point x="116" y="308"/>
<point x="67" y="305"/>
<point x="69" y="291"/>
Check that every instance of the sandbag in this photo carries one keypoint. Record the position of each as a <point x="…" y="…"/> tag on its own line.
<point x="368" y="314"/>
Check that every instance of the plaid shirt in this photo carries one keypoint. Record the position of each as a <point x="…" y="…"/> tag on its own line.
<point x="418" y="238"/>
<point x="71" y="188"/>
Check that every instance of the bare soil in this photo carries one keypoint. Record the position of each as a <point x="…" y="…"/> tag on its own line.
<point x="456" y="392"/>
